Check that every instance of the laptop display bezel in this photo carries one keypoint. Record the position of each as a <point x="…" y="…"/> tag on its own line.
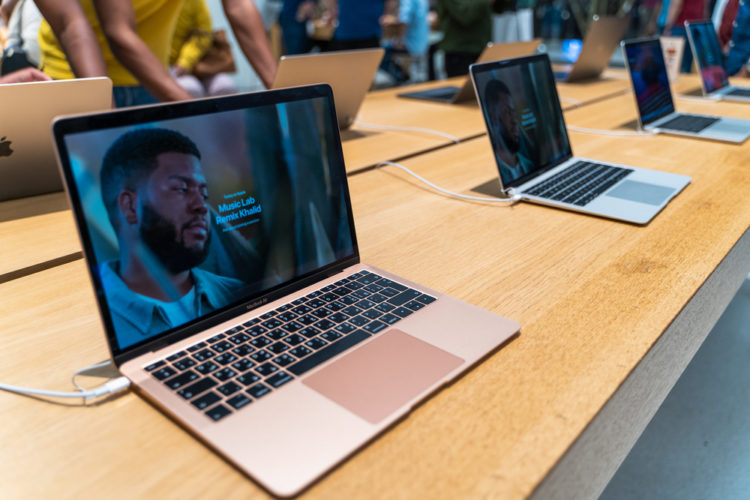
<point x="644" y="41"/>
<point x="693" y="47"/>
<point x="65" y="126"/>
<point x="518" y="61"/>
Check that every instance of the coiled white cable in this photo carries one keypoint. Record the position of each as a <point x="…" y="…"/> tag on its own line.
<point x="408" y="129"/>
<point x="511" y="200"/>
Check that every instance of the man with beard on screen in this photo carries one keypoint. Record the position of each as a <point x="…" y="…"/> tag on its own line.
<point x="506" y="132"/>
<point x="155" y="193"/>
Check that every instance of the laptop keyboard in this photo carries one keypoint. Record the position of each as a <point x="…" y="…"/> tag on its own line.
<point x="689" y="123"/>
<point x="580" y="183"/>
<point x="741" y="92"/>
<point x="227" y="372"/>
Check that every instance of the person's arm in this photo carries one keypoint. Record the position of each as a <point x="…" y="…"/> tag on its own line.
<point x="24" y="75"/>
<point x="674" y="9"/>
<point x="117" y="20"/>
<point x="247" y="26"/>
<point x="6" y="9"/>
<point x="77" y="39"/>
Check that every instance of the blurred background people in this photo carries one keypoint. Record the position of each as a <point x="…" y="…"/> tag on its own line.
<point x="358" y="24"/>
<point x="466" y="26"/>
<point x="21" y="48"/>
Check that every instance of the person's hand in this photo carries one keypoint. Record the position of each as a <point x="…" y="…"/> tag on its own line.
<point x="305" y="11"/>
<point x="178" y="71"/>
<point x="25" y="75"/>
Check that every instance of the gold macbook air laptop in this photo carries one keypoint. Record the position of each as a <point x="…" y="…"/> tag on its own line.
<point x="27" y="153"/>
<point x="220" y="242"/>
<point x="349" y="72"/>
<point x="451" y="94"/>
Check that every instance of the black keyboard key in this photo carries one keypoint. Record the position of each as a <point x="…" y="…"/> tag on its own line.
<point x="689" y="123"/>
<point x="184" y="378"/>
<point x="361" y="294"/>
<point x="283" y="308"/>
<point x="243" y="350"/>
<point x="272" y="323"/>
<point x="184" y="364"/>
<point x="299" y="301"/>
<point x="345" y="328"/>
<point x="279" y="379"/>
<point x="329" y="297"/>
<point x="358" y="320"/>
<point x="348" y="300"/>
<point x="374" y="288"/>
<point x="252" y="322"/>
<point x="316" y="343"/>
<point x="389" y="318"/>
<point x="402" y="312"/>
<point x="328" y="352"/>
<point x="292" y="327"/>
<point x="303" y="309"/>
<point x="294" y="339"/>
<point x="355" y="285"/>
<point x="377" y="298"/>
<point x="207" y="367"/>
<point x="335" y="306"/>
<point x="239" y="338"/>
<point x="278" y="347"/>
<point x="300" y="351"/>
<point x="225" y="374"/>
<point x="369" y="278"/>
<point x="164" y="373"/>
<point x="385" y="282"/>
<point x="375" y="327"/>
<point x="388" y="292"/>
<point x="315" y="303"/>
<point x="365" y="304"/>
<point x="261" y="356"/>
<point x="247" y="379"/>
<point x="307" y="319"/>
<point x="403" y="297"/>
<point x="268" y="315"/>
<point x="229" y="388"/>
<point x="351" y="310"/>
<point x="341" y="291"/>
<point x="233" y="330"/>
<point x="216" y="338"/>
<point x="322" y="312"/>
<point x="426" y="299"/>
<point x="218" y="412"/>
<point x="204" y="355"/>
<point x="176" y="356"/>
<point x="266" y="369"/>
<point x="193" y="390"/>
<point x="260" y="342"/>
<point x="414" y="305"/>
<point x="256" y="330"/>
<point x="277" y="334"/>
<point x="258" y="391"/>
<point x="287" y="316"/>
<point x="385" y="307"/>
<point x="155" y="365"/>
<point x="196" y="347"/>
<point x="337" y="318"/>
<point x="225" y="359"/>
<point x="243" y="365"/>
<point x="324" y="324"/>
<point x="239" y="401"/>
<point x="331" y="335"/>
<point x="284" y="360"/>
<point x="206" y="400"/>
<point x="372" y="314"/>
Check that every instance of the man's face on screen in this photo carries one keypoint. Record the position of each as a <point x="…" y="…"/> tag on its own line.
<point x="505" y="117"/>
<point x="175" y="222"/>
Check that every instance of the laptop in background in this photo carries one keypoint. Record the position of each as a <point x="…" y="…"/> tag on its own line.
<point x="604" y="34"/>
<point x="250" y="301"/>
<point x="349" y="72"/>
<point x="525" y="125"/>
<point x="451" y="94"/>
<point x="27" y="152"/>
<point x="705" y="46"/>
<point x="656" y="113"/>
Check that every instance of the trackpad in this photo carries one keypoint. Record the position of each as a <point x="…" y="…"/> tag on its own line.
<point x="651" y="194"/>
<point x="382" y="376"/>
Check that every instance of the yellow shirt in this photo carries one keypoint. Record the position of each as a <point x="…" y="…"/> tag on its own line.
<point x="192" y="35"/>
<point x="155" y="23"/>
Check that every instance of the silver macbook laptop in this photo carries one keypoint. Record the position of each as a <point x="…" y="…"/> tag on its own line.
<point x="527" y="132"/>
<point x="452" y="94"/>
<point x="705" y="45"/>
<point x="604" y="34"/>
<point x="349" y="72"/>
<point x="27" y="152"/>
<point x="220" y="241"/>
<point x="653" y="97"/>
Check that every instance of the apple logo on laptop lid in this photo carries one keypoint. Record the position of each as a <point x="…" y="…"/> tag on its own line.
<point x="5" y="149"/>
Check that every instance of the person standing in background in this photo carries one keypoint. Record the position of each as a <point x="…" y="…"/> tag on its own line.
<point x="678" y="12"/>
<point x="359" y="24"/>
<point x="192" y="38"/>
<point x="293" y="21"/>
<point x="467" y="27"/>
<point x="129" y="41"/>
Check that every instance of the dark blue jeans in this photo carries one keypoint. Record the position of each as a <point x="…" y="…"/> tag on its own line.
<point x="132" y="96"/>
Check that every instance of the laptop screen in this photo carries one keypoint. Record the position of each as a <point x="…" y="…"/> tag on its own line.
<point x="522" y="112"/>
<point x="707" y="51"/>
<point x="188" y="210"/>
<point x="648" y="73"/>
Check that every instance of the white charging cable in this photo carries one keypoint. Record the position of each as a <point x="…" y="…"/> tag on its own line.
<point x="574" y="102"/>
<point x="608" y="132"/>
<point x="113" y="386"/>
<point x="408" y="129"/>
<point x="511" y="200"/>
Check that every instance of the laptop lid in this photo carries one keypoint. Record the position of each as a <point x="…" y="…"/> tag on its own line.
<point x="600" y="42"/>
<point x="705" y="46"/>
<point x="27" y="153"/>
<point x="349" y="72"/>
<point x="213" y="206"/>
<point x="524" y="120"/>
<point x="648" y="75"/>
